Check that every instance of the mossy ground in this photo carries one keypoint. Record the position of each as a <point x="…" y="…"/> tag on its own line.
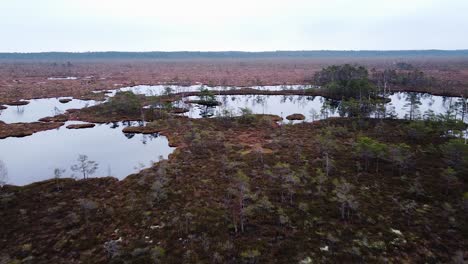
<point x="185" y="209"/>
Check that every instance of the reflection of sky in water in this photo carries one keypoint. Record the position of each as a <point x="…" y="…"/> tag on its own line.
<point x="438" y="104"/>
<point x="35" y="157"/>
<point x="311" y="107"/>
<point x="62" y="78"/>
<point x="267" y="104"/>
<point x="39" y="108"/>
<point x="151" y="90"/>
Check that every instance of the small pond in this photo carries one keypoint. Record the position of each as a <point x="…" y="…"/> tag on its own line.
<point x="34" y="158"/>
<point x="39" y="108"/>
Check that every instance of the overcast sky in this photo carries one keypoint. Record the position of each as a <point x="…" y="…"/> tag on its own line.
<point x="249" y="25"/>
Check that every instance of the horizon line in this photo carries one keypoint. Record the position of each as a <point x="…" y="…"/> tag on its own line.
<point x="225" y="51"/>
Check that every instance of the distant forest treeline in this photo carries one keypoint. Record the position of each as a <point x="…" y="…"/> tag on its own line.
<point x="113" y="55"/>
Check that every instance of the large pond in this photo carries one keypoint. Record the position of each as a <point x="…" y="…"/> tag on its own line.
<point x="317" y="107"/>
<point x="262" y="104"/>
<point x="39" y="108"/>
<point x="34" y="158"/>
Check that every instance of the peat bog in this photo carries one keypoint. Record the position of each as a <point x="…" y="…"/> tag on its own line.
<point x="343" y="168"/>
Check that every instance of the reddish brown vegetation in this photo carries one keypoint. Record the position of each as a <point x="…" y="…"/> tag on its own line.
<point x="141" y="130"/>
<point x="65" y="100"/>
<point x="29" y="80"/>
<point x="25" y="129"/>
<point x="295" y="117"/>
<point x="80" y="126"/>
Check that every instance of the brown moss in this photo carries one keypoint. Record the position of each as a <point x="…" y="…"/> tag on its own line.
<point x="80" y="126"/>
<point x="141" y="130"/>
<point x="26" y="129"/>
<point x="17" y="103"/>
<point x="295" y="117"/>
<point x="203" y="102"/>
<point x="178" y="110"/>
<point x="57" y="118"/>
<point x="65" y="100"/>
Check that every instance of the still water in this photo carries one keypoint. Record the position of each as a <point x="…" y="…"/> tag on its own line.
<point x="317" y="107"/>
<point x="39" y="108"/>
<point x="34" y="158"/>
<point x="152" y="90"/>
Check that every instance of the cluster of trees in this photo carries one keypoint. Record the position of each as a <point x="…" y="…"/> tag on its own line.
<point x="370" y="150"/>
<point x="405" y="75"/>
<point x="346" y="81"/>
<point x="124" y="103"/>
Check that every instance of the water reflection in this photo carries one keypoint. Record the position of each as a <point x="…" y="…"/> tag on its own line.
<point x="313" y="107"/>
<point x="153" y="90"/>
<point x="35" y="158"/>
<point x="39" y="108"/>
<point x="411" y="106"/>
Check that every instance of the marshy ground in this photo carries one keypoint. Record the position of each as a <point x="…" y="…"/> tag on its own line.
<point x="243" y="189"/>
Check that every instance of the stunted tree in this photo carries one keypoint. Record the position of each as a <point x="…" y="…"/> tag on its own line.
<point x="450" y="178"/>
<point x="206" y="95"/>
<point x="400" y="155"/>
<point x="345" y="198"/>
<point x="3" y="174"/>
<point x="455" y="154"/>
<point x="158" y="190"/>
<point x="320" y="179"/>
<point x="58" y="173"/>
<point x="327" y="144"/>
<point x="462" y="108"/>
<point x="239" y="193"/>
<point x="167" y="90"/>
<point x="85" y="167"/>
<point x="287" y="179"/>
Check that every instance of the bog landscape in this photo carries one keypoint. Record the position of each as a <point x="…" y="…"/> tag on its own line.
<point x="234" y="132"/>
<point x="234" y="157"/>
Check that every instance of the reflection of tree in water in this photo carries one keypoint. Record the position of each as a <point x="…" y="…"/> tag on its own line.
<point x="3" y="173"/>
<point x="20" y="109"/>
<point x="450" y="108"/>
<point x="207" y="111"/>
<point x="326" y="108"/>
<point x="262" y="101"/>
<point x="148" y="137"/>
<point x="57" y="111"/>
<point x="129" y="135"/>
<point x="114" y="125"/>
